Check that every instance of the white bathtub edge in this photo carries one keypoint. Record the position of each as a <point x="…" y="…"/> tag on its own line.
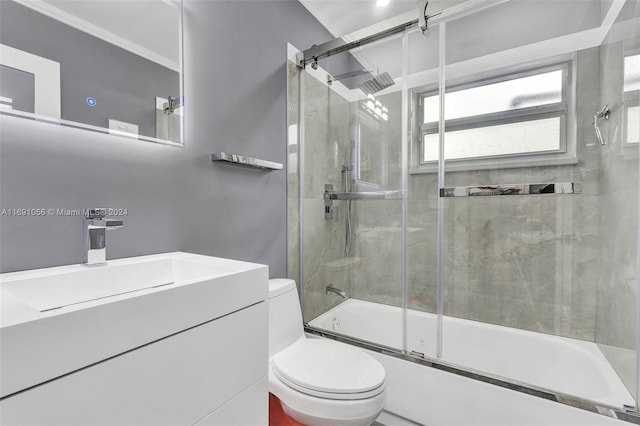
<point x="432" y="397"/>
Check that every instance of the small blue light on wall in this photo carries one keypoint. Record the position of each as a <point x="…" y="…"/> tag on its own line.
<point x="91" y="101"/>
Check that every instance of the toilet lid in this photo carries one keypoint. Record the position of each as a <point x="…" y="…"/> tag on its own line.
<point x="328" y="369"/>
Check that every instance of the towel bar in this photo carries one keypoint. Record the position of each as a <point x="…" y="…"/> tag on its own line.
<point x="242" y="160"/>
<point x="517" y="189"/>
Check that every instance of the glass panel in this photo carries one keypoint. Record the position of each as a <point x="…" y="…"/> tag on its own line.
<point x="515" y="138"/>
<point x="541" y="289"/>
<point x="353" y="257"/>
<point x="535" y="90"/>
<point x="422" y="207"/>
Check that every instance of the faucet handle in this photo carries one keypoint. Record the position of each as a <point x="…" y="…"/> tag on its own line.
<point x="95" y="213"/>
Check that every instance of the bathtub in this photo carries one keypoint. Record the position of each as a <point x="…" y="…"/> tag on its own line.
<point x="558" y="364"/>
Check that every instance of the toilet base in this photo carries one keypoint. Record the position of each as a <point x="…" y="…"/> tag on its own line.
<point x="277" y="416"/>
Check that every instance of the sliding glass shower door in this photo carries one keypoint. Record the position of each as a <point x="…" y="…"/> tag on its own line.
<point x="350" y="155"/>
<point x="538" y="197"/>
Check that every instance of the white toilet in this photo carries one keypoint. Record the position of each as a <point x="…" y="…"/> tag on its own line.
<point x="318" y="381"/>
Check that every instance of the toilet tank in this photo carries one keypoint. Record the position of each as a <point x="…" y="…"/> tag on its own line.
<point x="285" y="316"/>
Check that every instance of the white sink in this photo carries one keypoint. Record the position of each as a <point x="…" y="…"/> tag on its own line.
<point x="55" y="289"/>
<point x="57" y="320"/>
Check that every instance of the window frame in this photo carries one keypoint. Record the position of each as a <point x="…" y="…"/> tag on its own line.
<point x="565" y="110"/>
<point x="630" y="99"/>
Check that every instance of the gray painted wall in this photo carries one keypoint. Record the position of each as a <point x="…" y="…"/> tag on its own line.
<point x="124" y="84"/>
<point x="235" y="86"/>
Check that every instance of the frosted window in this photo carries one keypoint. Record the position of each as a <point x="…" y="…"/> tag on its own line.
<point x="507" y="139"/>
<point x="534" y="90"/>
<point x="632" y="73"/>
<point x="518" y="114"/>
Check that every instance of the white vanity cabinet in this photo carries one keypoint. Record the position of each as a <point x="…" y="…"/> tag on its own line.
<point x="210" y="373"/>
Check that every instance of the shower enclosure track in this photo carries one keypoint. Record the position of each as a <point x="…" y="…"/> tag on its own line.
<point x="340" y="45"/>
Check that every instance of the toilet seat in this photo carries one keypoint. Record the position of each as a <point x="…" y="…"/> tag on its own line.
<point x="326" y="369"/>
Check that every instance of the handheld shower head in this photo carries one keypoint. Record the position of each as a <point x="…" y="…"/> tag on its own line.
<point x="605" y="112"/>
<point x="377" y="83"/>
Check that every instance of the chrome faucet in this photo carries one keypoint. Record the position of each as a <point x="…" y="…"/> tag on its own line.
<point x="331" y="289"/>
<point x="94" y="229"/>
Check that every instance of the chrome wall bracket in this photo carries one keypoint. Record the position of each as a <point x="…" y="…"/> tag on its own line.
<point x="172" y="104"/>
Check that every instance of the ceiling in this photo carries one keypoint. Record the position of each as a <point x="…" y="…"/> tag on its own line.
<point x="483" y="35"/>
<point x="342" y="17"/>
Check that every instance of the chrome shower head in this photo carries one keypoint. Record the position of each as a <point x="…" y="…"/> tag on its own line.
<point x="377" y="83"/>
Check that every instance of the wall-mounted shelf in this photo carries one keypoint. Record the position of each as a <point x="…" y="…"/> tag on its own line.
<point x="241" y="160"/>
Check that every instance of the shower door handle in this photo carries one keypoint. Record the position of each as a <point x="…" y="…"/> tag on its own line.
<point x="369" y="195"/>
<point x="330" y="196"/>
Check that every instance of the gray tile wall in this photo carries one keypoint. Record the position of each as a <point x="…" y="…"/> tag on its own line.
<point x="526" y="262"/>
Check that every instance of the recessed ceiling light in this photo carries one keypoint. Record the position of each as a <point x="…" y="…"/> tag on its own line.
<point x="382" y="3"/>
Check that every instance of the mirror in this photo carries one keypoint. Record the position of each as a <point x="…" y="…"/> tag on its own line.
<point x="104" y="65"/>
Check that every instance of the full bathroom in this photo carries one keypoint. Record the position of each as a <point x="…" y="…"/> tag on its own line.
<point x="311" y="212"/>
